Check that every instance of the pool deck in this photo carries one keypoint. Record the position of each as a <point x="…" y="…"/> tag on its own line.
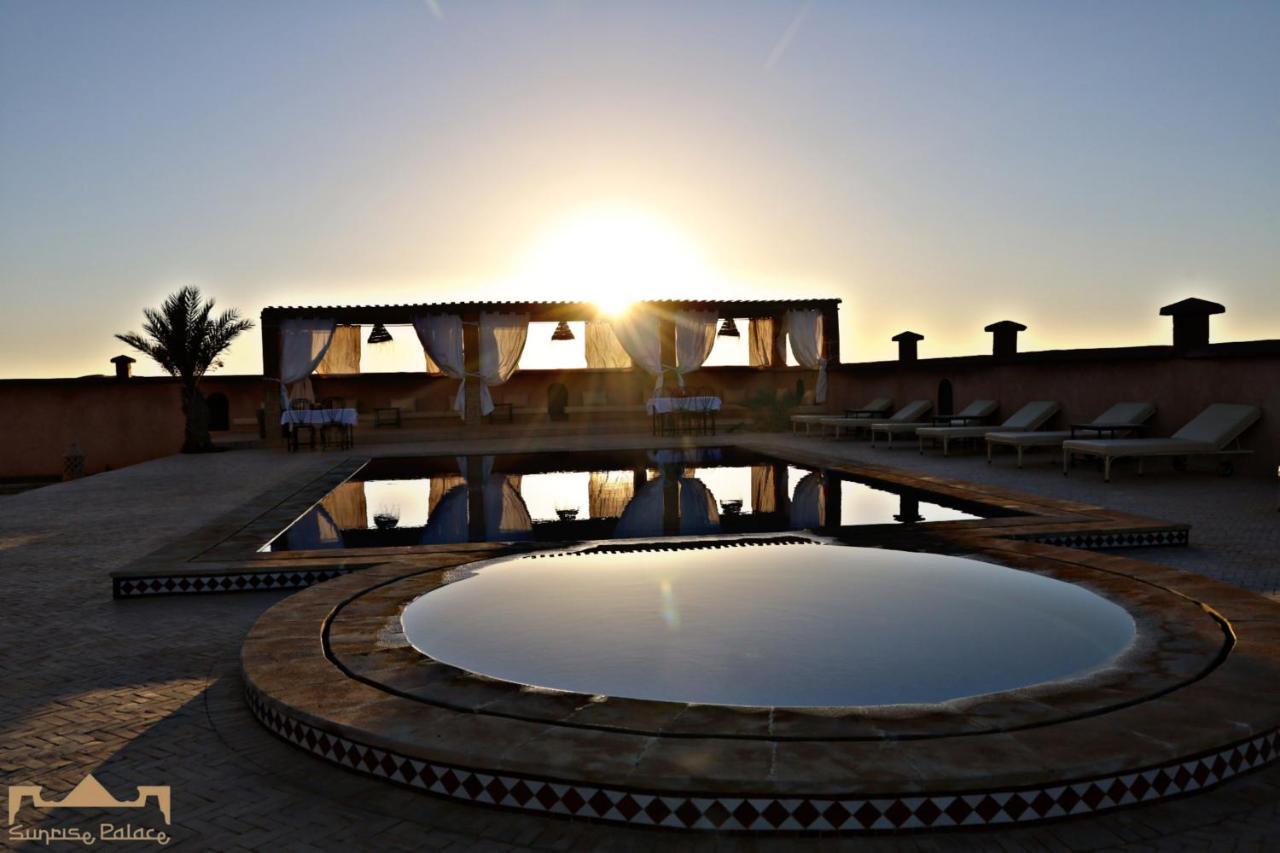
<point x="149" y="692"/>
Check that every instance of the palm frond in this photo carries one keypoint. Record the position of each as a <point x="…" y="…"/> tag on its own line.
<point x="182" y="337"/>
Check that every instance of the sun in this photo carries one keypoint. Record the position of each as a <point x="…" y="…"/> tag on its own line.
<point x="612" y="256"/>
<point x="613" y="304"/>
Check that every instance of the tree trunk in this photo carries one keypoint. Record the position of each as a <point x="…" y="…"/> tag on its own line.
<point x="196" y="412"/>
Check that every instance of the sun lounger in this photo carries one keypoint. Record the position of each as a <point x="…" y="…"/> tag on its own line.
<point x="1030" y="417"/>
<point x="976" y="410"/>
<point x="912" y="411"/>
<point x="876" y="407"/>
<point x="1115" y="419"/>
<point x="1214" y="432"/>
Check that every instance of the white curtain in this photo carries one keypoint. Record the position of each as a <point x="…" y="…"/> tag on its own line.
<point x="441" y="486"/>
<point x="441" y="339"/>
<point x="644" y="514"/>
<point x="637" y="331"/>
<point x="303" y="344"/>
<point x="502" y="338"/>
<point x="603" y="347"/>
<point x="447" y="522"/>
<point x="760" y="340"/>
<point x="808" y="504"/>
<point x="804" y="328"/>
<point x="695" y="336"/>
<point x="506" y="516"/>
<point x="699" y="512"/>
<point x="313" y="531"/>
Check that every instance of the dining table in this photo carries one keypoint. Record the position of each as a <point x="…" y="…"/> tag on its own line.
<point x="695" y="413"/>
<point x="320" y="420"/>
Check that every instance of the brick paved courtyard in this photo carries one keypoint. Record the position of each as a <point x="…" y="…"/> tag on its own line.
<point x="147" y="692"/>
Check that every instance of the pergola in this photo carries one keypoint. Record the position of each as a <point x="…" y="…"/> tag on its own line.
<point x="665" y="310"/>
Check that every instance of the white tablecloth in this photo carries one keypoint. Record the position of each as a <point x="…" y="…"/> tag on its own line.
<point x="666" y="405"/>
<point x="317" y="417"/>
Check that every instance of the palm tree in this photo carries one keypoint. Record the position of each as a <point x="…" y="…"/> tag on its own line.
<point x="184" y="339"/>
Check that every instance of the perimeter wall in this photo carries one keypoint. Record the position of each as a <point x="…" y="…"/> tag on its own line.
<point x="118" y="422"/>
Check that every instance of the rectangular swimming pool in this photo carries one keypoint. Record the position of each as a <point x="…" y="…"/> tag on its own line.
<point x="567" y="497"/>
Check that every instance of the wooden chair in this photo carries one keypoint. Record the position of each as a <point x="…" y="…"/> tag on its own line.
<point x="296" y="428"/>
<point x="332" y="429"/>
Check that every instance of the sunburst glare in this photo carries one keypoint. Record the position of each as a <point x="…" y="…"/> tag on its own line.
<point x="612" y="256"/>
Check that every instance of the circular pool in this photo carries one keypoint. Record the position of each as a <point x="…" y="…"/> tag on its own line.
<point x="771" y="625"/>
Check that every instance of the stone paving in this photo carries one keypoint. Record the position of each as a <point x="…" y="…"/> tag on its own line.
<point x="148" y="692"/>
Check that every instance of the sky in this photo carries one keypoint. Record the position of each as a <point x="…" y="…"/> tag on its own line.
<point x="937" y="165"/>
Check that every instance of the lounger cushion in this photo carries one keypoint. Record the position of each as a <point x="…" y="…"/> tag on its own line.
<point x="953" y="432"/>
<point x="1220" y="424"/>
<point x="841" y="420"/>
<point x="1138" y="446"/>
<point x="879" y="404"/>
<point x="1126" y="413"/>
<point x="1049" y="438"/>
<point x="895" y="426"/>
<point x="912" y="411"/>
<point x="978" y="409"/>
<point x="1028" y="417"/>
<point x="1031" y="416"/>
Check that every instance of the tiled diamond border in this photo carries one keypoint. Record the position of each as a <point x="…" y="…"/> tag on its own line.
<point x="862" y="813"/>
<point x="1175" y="537"/>
<point x="216" y="582"/>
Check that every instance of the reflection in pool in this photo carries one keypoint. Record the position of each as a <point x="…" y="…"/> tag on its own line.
<point x="789" y="625"/>
<point x="576" y="497"/>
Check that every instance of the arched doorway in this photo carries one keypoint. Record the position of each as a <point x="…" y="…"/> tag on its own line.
<point x="219" y="412"/>
<point x="557" y="401"/>
<point x="945" y="404"/>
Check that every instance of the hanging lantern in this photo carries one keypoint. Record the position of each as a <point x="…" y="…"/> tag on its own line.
<point x="379" y="334"/>
<point x="562" y="332"/>
<point x="729" y="329"/>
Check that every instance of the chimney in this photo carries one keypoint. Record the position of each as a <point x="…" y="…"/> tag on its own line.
<point x="1004" y="338"/>
<point x="907" y="345"/>
<point x="124" y="367"/>
<point x="1191" y="322"/>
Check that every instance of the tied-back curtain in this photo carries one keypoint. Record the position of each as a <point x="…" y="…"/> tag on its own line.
<point x="303" y="344"/>
<point x="763" y="497"/>
<point x="695" y="336"/>
<point x="347" y="506"/>
<point x="804" y="328"/>
<point x="441" y="339"/>
<point x="609" y="492"/>
<point x="603" y="347"/>
<point x="440" y="486"/>
<point x="343" y="355"/>
<point x="760" y="339"/>
<point x="502" y="339"/>
<point x="637" y="331"/>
